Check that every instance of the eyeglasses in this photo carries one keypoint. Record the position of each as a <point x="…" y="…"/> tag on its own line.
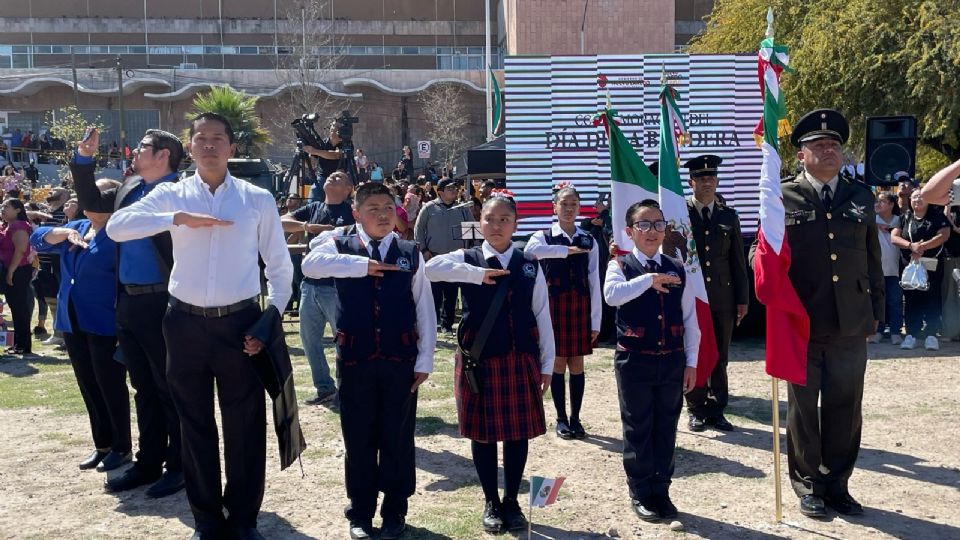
<point x="644" y="225"/>
<point x="143" y="145"/>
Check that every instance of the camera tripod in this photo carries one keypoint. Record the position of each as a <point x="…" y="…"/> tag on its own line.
<point x="302" y="168"/>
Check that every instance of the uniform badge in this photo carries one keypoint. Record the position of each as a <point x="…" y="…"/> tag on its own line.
<point x="403" y="264"/>
<point x="857" y="210"/>
<point x="529" y="270"/>
<point x="340" y="220"/>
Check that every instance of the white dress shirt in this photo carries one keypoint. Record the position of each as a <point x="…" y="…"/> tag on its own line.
<point x="700" y="206"/>
<point x="452" y="267"/>
<point x="325" y="261"/>
<point x="539" y="248"/>
<point x="618" y="291"/>
<point x="214" y="266"/>
<point x="818" y="185"/>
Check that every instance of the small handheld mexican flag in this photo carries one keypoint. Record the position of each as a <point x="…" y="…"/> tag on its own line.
<point x="543" y="491"/>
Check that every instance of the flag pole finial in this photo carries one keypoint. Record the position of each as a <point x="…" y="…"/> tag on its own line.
<point x="609" y="101"/>
<point x="663" y="75"/>
<point x="770" y="22"/>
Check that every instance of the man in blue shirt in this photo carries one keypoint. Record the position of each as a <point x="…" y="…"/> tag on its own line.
<point x="142" y="297"/>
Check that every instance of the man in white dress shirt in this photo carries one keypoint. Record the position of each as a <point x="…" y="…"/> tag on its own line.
<point x="219" y="226"/>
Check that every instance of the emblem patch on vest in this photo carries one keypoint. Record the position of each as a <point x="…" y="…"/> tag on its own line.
<point x="404" y="264"/>
<point x="529" y="270"/>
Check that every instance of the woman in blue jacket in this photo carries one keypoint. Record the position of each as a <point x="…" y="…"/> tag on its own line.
<point x="86" y="316"/>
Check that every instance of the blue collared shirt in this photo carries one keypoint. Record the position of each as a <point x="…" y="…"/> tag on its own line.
<point x="139" y="264"/>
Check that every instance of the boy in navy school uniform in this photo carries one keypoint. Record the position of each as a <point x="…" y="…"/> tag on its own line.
<point x="656" y="357"/>
<point x="386" y="335"/>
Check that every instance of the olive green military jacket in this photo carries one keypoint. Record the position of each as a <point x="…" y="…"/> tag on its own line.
<point x="835" y="257"/>
<point x="722" y="259"/>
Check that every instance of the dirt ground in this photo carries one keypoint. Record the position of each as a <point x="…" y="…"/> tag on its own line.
<point x="908" y="474"/>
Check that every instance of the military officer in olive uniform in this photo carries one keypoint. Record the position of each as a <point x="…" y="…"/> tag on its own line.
<point x="836" y="271"/>
<point x="716" y="229"/>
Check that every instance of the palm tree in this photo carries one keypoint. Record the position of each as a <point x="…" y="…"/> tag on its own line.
<point x="240" y="109"/>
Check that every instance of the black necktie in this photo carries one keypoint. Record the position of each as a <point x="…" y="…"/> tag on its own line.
<point x="652" y="266"/>
<point x="375" y="250"/>
<point x="494" y="262"/>
<point x="827" y="196"/>
<point x="705" y="213"/>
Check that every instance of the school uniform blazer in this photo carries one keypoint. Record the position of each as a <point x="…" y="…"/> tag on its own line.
<point x="88" y="280"/>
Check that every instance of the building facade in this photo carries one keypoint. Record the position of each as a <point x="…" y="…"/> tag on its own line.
<point x="372" y="57"/>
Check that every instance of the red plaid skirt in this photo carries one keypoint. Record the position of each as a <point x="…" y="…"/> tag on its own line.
<point x="509" y="406"/>
<point x="570" y="315"/>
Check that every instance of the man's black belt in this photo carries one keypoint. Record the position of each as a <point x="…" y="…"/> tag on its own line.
<point x="211" y="312"/>
<point x="319" y="281"/>
<point x="137" y="290"/>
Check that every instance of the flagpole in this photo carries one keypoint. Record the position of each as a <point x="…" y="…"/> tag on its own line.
<point x="489" y="70"/>
<point x="775" y="401"/>
<point x="778" y="508"/>
<point x="530" y="521"/>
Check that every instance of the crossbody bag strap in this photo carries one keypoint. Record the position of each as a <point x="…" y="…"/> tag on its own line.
<point x="487" y="326"/>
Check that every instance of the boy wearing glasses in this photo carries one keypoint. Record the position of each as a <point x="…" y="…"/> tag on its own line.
<point x="655" y="359"/>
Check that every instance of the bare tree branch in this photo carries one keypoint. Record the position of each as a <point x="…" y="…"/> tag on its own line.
<point x="446" y="115"/>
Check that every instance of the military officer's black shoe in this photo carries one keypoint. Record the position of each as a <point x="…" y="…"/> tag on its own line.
<point x="666" y="508"/>
<point x="646" y="509"/>
<point x="513" y="518"/>
<point x="844" y="504"/>
<point x="169" y="483"/>
<point x="721" y="423"/>
<point x="491" y="520"/>
<point x="360" y="530"/>
<point x="696" y="423"/>
<point x="812" y="506"/>
<point x="576" y="429"/>
<point x="563" y="430"/>
<point x="393" y="528"/>
<point x="114" y="460"/>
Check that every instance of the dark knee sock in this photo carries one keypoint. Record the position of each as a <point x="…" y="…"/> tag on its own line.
<point x="577" y="384"/>
<point x="558" y="391"/>
<point x="514" y="461"/>
<point x="485" y="461"/>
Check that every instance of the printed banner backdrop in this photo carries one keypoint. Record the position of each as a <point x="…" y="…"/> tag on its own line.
<point x="550" y="103"/>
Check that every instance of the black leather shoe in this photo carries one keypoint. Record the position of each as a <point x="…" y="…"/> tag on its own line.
<point x="247" y="533"/>
<point x="844" y="504"/>
<point x="645" y="509"/>
<point x="131" y="478"/>
<point x="361" y="529"/>
<point x="393" y="528"/>
<point x="665" y="508"/>
<point x="321" y="399"/>
<point x="564" y="431"/>
<point x="492" y="522"/>
<point x="114" y="460"/>
<point x="577" y="429"/>
<point x="169" y="483"/>
<point x="696" y="423"/>
<point x="513" y="518"/>
<point x="721" y="423"/>
<point x="92" y="460"/>
<point x="812" y="506"/>
<point x="199" y="535"/>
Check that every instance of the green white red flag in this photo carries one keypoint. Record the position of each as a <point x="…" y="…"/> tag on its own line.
<point x="630" y="179"/>
<point x="788" y="324"/>
<point x="673" y="134"/>
<point x="544" y="491"/>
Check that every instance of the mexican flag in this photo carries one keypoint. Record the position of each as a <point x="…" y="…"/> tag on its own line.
<point x="679" y="242"/>
<point x="543" y="491"/>
<point x="788" y="324"/>
<point x="630" y="179"/>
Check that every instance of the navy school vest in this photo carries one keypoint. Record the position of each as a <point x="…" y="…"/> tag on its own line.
<point x="571" y="272"/>
<point x="376" y="317"/>
<point x="651" y="323"/>
<point x="516" y="326"/>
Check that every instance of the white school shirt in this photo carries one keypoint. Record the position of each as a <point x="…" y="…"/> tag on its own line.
<point x="452" y="267"/>
<point x="539" y="248"/>
<point x="618" y="291"/>
<point x="214" y="266"/>
<point x="325" y="261"/>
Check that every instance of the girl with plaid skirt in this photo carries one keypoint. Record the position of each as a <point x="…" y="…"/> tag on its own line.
<point x="570" y="261"/>
<point x="516" y="360"/>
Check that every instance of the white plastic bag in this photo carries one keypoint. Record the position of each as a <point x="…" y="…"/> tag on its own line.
<point x="915" y="277"/>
